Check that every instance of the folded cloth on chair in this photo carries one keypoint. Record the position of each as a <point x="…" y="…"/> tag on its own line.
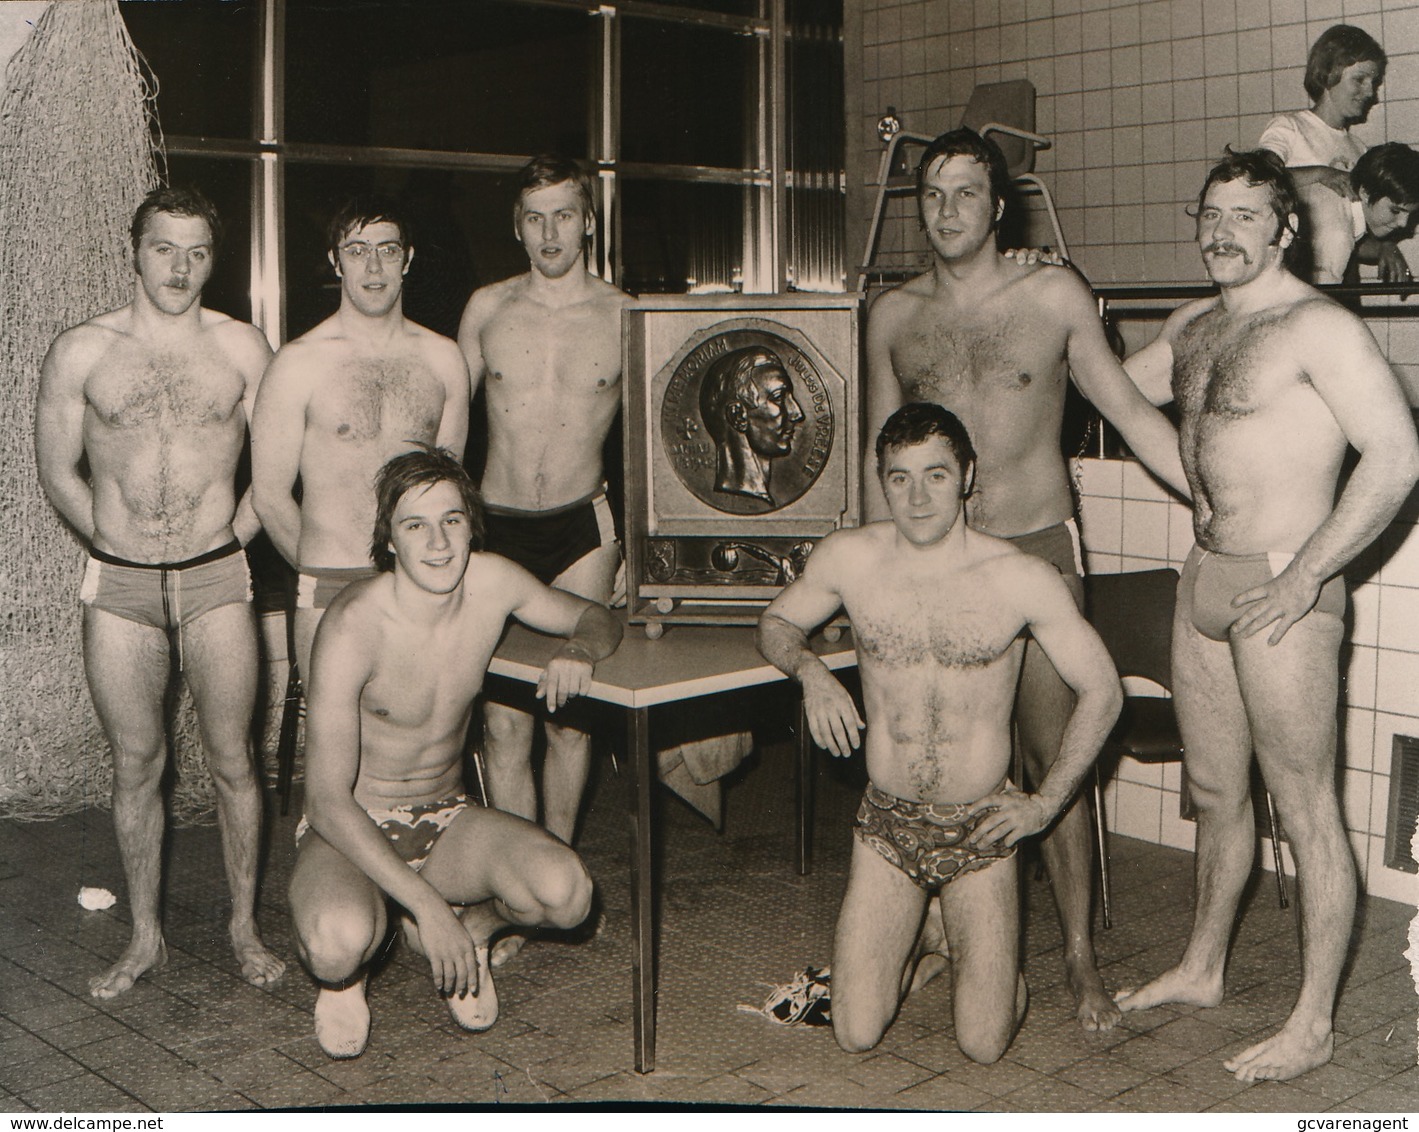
<point x="803" y="1001"/>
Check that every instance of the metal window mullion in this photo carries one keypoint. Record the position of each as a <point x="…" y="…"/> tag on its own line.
<point x="268" y="254"/>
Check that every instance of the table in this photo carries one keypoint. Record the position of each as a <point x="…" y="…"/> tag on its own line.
<point x="688" y="662"/>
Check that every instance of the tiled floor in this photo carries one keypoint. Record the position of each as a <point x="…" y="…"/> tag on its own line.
<point x="733" y="916"/>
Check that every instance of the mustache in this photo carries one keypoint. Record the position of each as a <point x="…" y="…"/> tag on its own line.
<point x="1226" y="248"/>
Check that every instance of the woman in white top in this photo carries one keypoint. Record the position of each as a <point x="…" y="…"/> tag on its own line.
<point x="1344" y="71"/>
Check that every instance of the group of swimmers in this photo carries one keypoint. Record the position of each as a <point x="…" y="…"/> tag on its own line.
<point x="965" y="592"/>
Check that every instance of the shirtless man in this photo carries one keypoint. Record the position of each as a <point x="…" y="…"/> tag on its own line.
<point x="398" y="663"/>
<point x="154" y="396"/>
<point x="1274" y="381"/>
<point x="996" y="343"/>
<point x="339" y="401"/>
<point x="939" y="613"/>
<point x="548" y="343"/>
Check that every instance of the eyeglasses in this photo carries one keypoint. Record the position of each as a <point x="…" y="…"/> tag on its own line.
<point x="391" y="251"/>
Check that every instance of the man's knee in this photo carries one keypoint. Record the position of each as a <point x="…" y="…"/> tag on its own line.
<point x="138" y="763"/>
<point x="233" y="769"/>
<point x="507" y="734"/>
<point x="334" y="940"/>
<point x="855" y="1031"/>
<point x="563" y="888"/>
<point x="984" y="1047"/>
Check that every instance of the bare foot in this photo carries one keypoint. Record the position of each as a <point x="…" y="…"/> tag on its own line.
<point x="138" y="958"/>
<point x="342" y="1019"/>
<point x="1096" y="1010"/>
<point x="931" y="956"/>
<point x="507" y="947"/>
<point x="1175" y="985"/>
<point x="476" y="1011"/>
<point x="1291" y="1051"/>
<point x="259" y="967"/>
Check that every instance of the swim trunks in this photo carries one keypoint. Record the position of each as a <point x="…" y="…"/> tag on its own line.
<point x="546" y="543"/>
<point x="167" y="595"/>
<point x="925" y="840"/>
<point x="1059" y="546"/>
<point x="413" y="830"/>
<point x="1210" y="581"/>
<point x="318" y="586"/>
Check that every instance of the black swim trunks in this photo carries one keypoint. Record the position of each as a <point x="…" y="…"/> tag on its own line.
<point x="546" y="543"/>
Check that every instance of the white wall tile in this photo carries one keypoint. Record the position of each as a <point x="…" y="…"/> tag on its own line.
<point x="1359" y="682"/>
<point x="1397" y="682"/>
<point x="1387" y="883"/>
<point x="1360" y="849"/>
<point x="1365" y="601"/>
<point x="1139" y="811"/>
<point x="1145" y="774"/>
<point x="1398" y="613"/>
<point x="1355" y="800"/>
<point x="1102" y="524"/>
<point x="1379" y="803"/>
<point x="1145" y="529"/>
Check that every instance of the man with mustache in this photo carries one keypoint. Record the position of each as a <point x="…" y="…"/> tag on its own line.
<point x="996" y="343"/>
<point x="337" y="402"/>
<point x="1274" y="382"/>
<point x="154" y="397"/>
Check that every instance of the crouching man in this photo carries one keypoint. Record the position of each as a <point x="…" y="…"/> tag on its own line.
<point x="939" y="614"/>
<point x="398" y="662"/>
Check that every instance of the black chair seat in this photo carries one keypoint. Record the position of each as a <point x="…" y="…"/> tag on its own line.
<point x="1147" y="730"/>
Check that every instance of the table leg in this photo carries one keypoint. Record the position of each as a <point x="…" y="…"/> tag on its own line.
<point x="642" y="892"/>
<point x="803" y="786"/>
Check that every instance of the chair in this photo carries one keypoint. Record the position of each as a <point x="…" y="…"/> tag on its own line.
<point x="1133" y="613"/>
<point x="1005" y="112"/>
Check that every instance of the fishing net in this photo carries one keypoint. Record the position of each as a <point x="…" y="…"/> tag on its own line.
<point x="77" y="153"/>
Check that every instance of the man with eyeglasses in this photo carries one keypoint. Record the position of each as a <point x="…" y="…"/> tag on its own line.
<point x="339" y="401"/>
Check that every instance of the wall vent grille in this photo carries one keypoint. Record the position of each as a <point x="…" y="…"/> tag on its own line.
<point x="1403" y="804"/>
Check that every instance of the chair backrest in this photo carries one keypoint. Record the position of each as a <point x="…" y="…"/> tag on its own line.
<point x="1010" y="104"/>
<point x="1133" y="613"/>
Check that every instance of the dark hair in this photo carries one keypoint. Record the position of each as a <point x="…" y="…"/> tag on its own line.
<point x="1335" y="49"/>
<point x="552" y="169"/>
<point x="182" y="201"/>
<point x="915" y="422"/>
<point x="729" y="379"/>
<point x="362" y="211"/>
<point x="423" y="467"/>
<point x="1389" y="170"/>
<point x="965" y="142"/>
<point x="1258" y="167"/>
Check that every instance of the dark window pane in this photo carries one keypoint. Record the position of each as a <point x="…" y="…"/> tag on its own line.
<point x="479" y="76"/>
<point x="227" y="184"/>
<point x="689" y="95"/>
<point x="677" y="236"/>
<point x="204" y="55"/>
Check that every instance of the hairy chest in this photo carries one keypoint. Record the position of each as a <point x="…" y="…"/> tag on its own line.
<point x="919" y="627"/>
<point x="974" y="363"/>
<point x="376" y="399"/>
<point x="164" y="391"/>
<point x="1231" y="369"/>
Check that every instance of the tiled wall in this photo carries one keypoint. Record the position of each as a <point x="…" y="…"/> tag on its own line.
<point x="1130" y="523"/>
<point x="1140" y="98"/>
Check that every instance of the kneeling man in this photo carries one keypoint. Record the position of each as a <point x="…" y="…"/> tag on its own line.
<point x="398" y="661"/>
<point x="939" y="613"/>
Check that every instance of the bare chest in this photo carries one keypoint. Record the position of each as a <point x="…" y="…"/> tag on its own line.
<point x="531" y="349"/>
<point x="979" y="365"/>
<point x="427" y="682"/>
<point x="164" y="392"/>
<point x="919" y="628"/>
<point x="1231" y="370"/>
<point x="375" y="399"/>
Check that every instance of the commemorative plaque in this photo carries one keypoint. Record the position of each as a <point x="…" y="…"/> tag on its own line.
<point x="743" y="447"/>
